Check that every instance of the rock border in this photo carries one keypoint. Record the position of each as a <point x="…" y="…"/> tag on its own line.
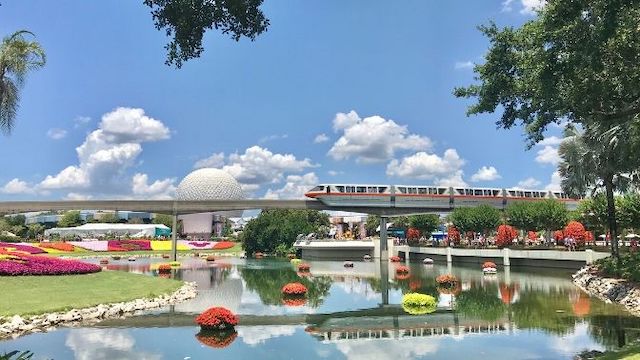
<point x="16" y="325"/>
<point x="610" y="290"/>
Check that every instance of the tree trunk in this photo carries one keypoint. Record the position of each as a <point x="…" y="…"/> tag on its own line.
<point x="611" y="216"/>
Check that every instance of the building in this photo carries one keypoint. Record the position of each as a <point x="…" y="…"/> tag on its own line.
<point x="97" y="230"/>
<point x="208" y="184"/>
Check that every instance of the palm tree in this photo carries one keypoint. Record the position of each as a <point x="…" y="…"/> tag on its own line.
<point x="601" y="156"/>
<point x="17" y="57"/>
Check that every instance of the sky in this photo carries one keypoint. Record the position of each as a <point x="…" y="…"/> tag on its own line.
<point x="333" y="92"/>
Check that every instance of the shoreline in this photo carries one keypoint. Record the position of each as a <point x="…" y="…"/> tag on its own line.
<point x="609" y="290"/>
<point x="15" y="326"/>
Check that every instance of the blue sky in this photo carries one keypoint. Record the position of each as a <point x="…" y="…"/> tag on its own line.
<point x="334" y="91"/>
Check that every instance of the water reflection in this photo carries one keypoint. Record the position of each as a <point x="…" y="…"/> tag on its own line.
<point x="353" y="313"/>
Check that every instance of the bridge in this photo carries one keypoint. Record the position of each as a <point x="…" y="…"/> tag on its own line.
<point x="183" y="207"/>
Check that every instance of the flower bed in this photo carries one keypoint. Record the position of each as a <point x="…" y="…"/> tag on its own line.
<point x="164" y="268"/>
<point x="224" y="245"/>
<point x="402" y="276"/>
<point x="15" y="264"/>
<point x="304" y="267"/>
<point x="394" y="259"/>
<point x="418" y="304"/>
<point x="92" y="245"/>
<point x="217" y="318"/>
<point x="217" y="339"/>
<point x="165" y="245"/>
<point x="60" y="246"/>
<point x="22" y="248"/>
<point x="298" y="301"/>
<point x="294" y="289"/>
<point x="129" y="245"/>
<point x="402" y="270"/>
<point x="200" y="245"/>
<point x="489" y="264"/>
<point x="210" y="258"/>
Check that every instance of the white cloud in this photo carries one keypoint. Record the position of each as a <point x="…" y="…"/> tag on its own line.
<point x="272" y="138"/>
<point x="98" y="344"/>
<point x="486" y="174"/>
<point x="372" y="139"/>
<point x="445" y="170"/>
<point x="159" y="189"/>
<point x="78" y="196"/>
<point x="56" y="134"/>
<point x="399" y="349"/>
<point x="294" y="188"/>
<point x="548" y="155"/>
<point x="259" y="166"/>
<point x="334" y="172"/>
<point x="320" y="138"/>
<point x="528" y="183"/>
<point x="551" y="141"/>
<point x="17" y="186"/>
<point x="530" y="7"/>
<point x="81" y="121"/>
<point x="459" y="65"/>
<point x="255" y="335"/>
<point x="506" y="6"/>
<point x="554" y="184"/>
<point x="107" y="153"/>
<point x="216" y="160"/>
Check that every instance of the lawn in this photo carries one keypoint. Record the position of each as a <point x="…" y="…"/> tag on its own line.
<point x="30" y="295"/>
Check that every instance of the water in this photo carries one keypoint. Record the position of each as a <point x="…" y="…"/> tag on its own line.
<point x="350" y="313"/>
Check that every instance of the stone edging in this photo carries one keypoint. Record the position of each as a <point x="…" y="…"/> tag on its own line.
<point x="16" y="326"/>
<point x="609" y="290"/>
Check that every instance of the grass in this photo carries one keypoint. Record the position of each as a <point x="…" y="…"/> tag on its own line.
<point x="32" y="295"/>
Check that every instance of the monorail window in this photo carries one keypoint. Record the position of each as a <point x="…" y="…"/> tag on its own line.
<point x="362" y="189"/>
<point x="351" y="189"/>
<point x="382" y="189"/>
<point x="441" y="191"/>
<point x="527" y="194"/>
<point x="317" y="188"/>
<point x="403" y="190"/>
<point x="460" y="191"/>
<point x="477" y="192"/>
<point x="371" y="189"/>
<point x="422" y="191"/>
<point x="412" y="190"/>
<point x="340" y="188"/>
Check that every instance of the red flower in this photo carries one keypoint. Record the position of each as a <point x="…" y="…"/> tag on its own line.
<point x="304" y="267"/>
<point x="532" y="235"/>
<point x="211" y="258"/>
<point x="223" y="245"/>
<point x="576" y="231"/>
<point x="164" y="268"/>
<point x="505" y="235"/>
<point x="217" y="339"/>
<point x="57" y="246"/>
<point x="453" y="235"/>
<point x="295" y="289"/>
<point x="402" y="270"/>
<point x="415" y="284"/>
<point x="297" y="301"/>
<point x="394" y="258"/>
<point x="217" y="318"/>
<point x="402" y="276"/>
<point x="413" y="234"/>
<point x="489" y="264"/>
<point x="447" y="280"/>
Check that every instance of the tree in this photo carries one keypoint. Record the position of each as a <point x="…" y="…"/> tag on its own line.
<point x="280" y="226"/>
<point x="505" y="235"/>
<point x="33" y="230"/>
<point x="372" y="224"/>
<point x="70" y="218"/>
<point x="17" y="57"/>
<point x="520" y="214"/>
<point x="425" y="223"/>
<point x="461" y="218"/>
<point x="401" y="222"/>
<point x="575" y="62"/>
<point x="485" y="218"/>
<point x="187" y="21"/>
<point x="549" y="214"/>
<point x="163" y="219"/>
<point x="110" y="218"/>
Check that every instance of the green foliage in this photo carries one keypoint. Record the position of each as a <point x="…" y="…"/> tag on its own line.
<point x="549" y="214"/>
<point x="164" y="219"/>
<point x="480" y="303"/>
<point x="110" y="218"/>
<point x="481" y="218"/>
<point x="400" y="222"/>
<point x="18" y="56"/>
<point x="373" y="221"/>
<point x="549" y="311"/>
<point x="280" y="226"/>
<point x="17" y="355"/>
<point x="33" y="230"/>
<point x="418" y="304"/>
<point x="7" y="238"/>
<point x="282" y="250"/>
<point x="628" y="267"/>
<point x="70" y="218"/>
<point x="426" y="223"/>
<point x="187" y="21"/>
<point x="520" y="215"/>
<point x="267" y="282"/>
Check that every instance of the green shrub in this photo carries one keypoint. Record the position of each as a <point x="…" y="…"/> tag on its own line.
<point x="628" y="267"/>
<point x="418" y="304"/>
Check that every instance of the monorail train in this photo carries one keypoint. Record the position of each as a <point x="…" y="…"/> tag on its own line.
<point x="423" y="196"/>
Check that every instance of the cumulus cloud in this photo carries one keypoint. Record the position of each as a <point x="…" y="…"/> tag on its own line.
<point x="56" y="134"/>
<point x="320" y="138"/>
<point x="372" y="139"/>
<point x="528" y="183"/>
<point x="294" y="188"/>
<point x="460" y="65"/>
<point x="259" y="166"/>
<point x="214" y="161"/>
<point x="486" y="174"/>
<point x="17" y="186"/>
<point x="159" y="189"/>
<point x="98" y="344"/>
<point x="107" y="153"/>
<point x="443" y="171"/>
<point x="548" y="155"/>
<point x="551" y="141"/>
<point x="554" y="184"/>
<point x="255" y="335"/>
<point x="529" y="7"/>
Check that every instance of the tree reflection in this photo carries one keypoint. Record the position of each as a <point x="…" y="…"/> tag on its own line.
<point x="481" y="303"/>
<point x="549" y="311"/>
<point x="269" y="282"/>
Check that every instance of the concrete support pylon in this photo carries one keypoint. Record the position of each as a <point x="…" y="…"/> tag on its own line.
<point x="174" y="237"/>
<point x="384" y="251"/>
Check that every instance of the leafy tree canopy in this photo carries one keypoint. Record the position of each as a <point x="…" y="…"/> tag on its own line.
<point x="186" y="21"/>
<point x="70" y="218"/>
<point x="577" y="61"/>
<point x="426" y="223"/>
